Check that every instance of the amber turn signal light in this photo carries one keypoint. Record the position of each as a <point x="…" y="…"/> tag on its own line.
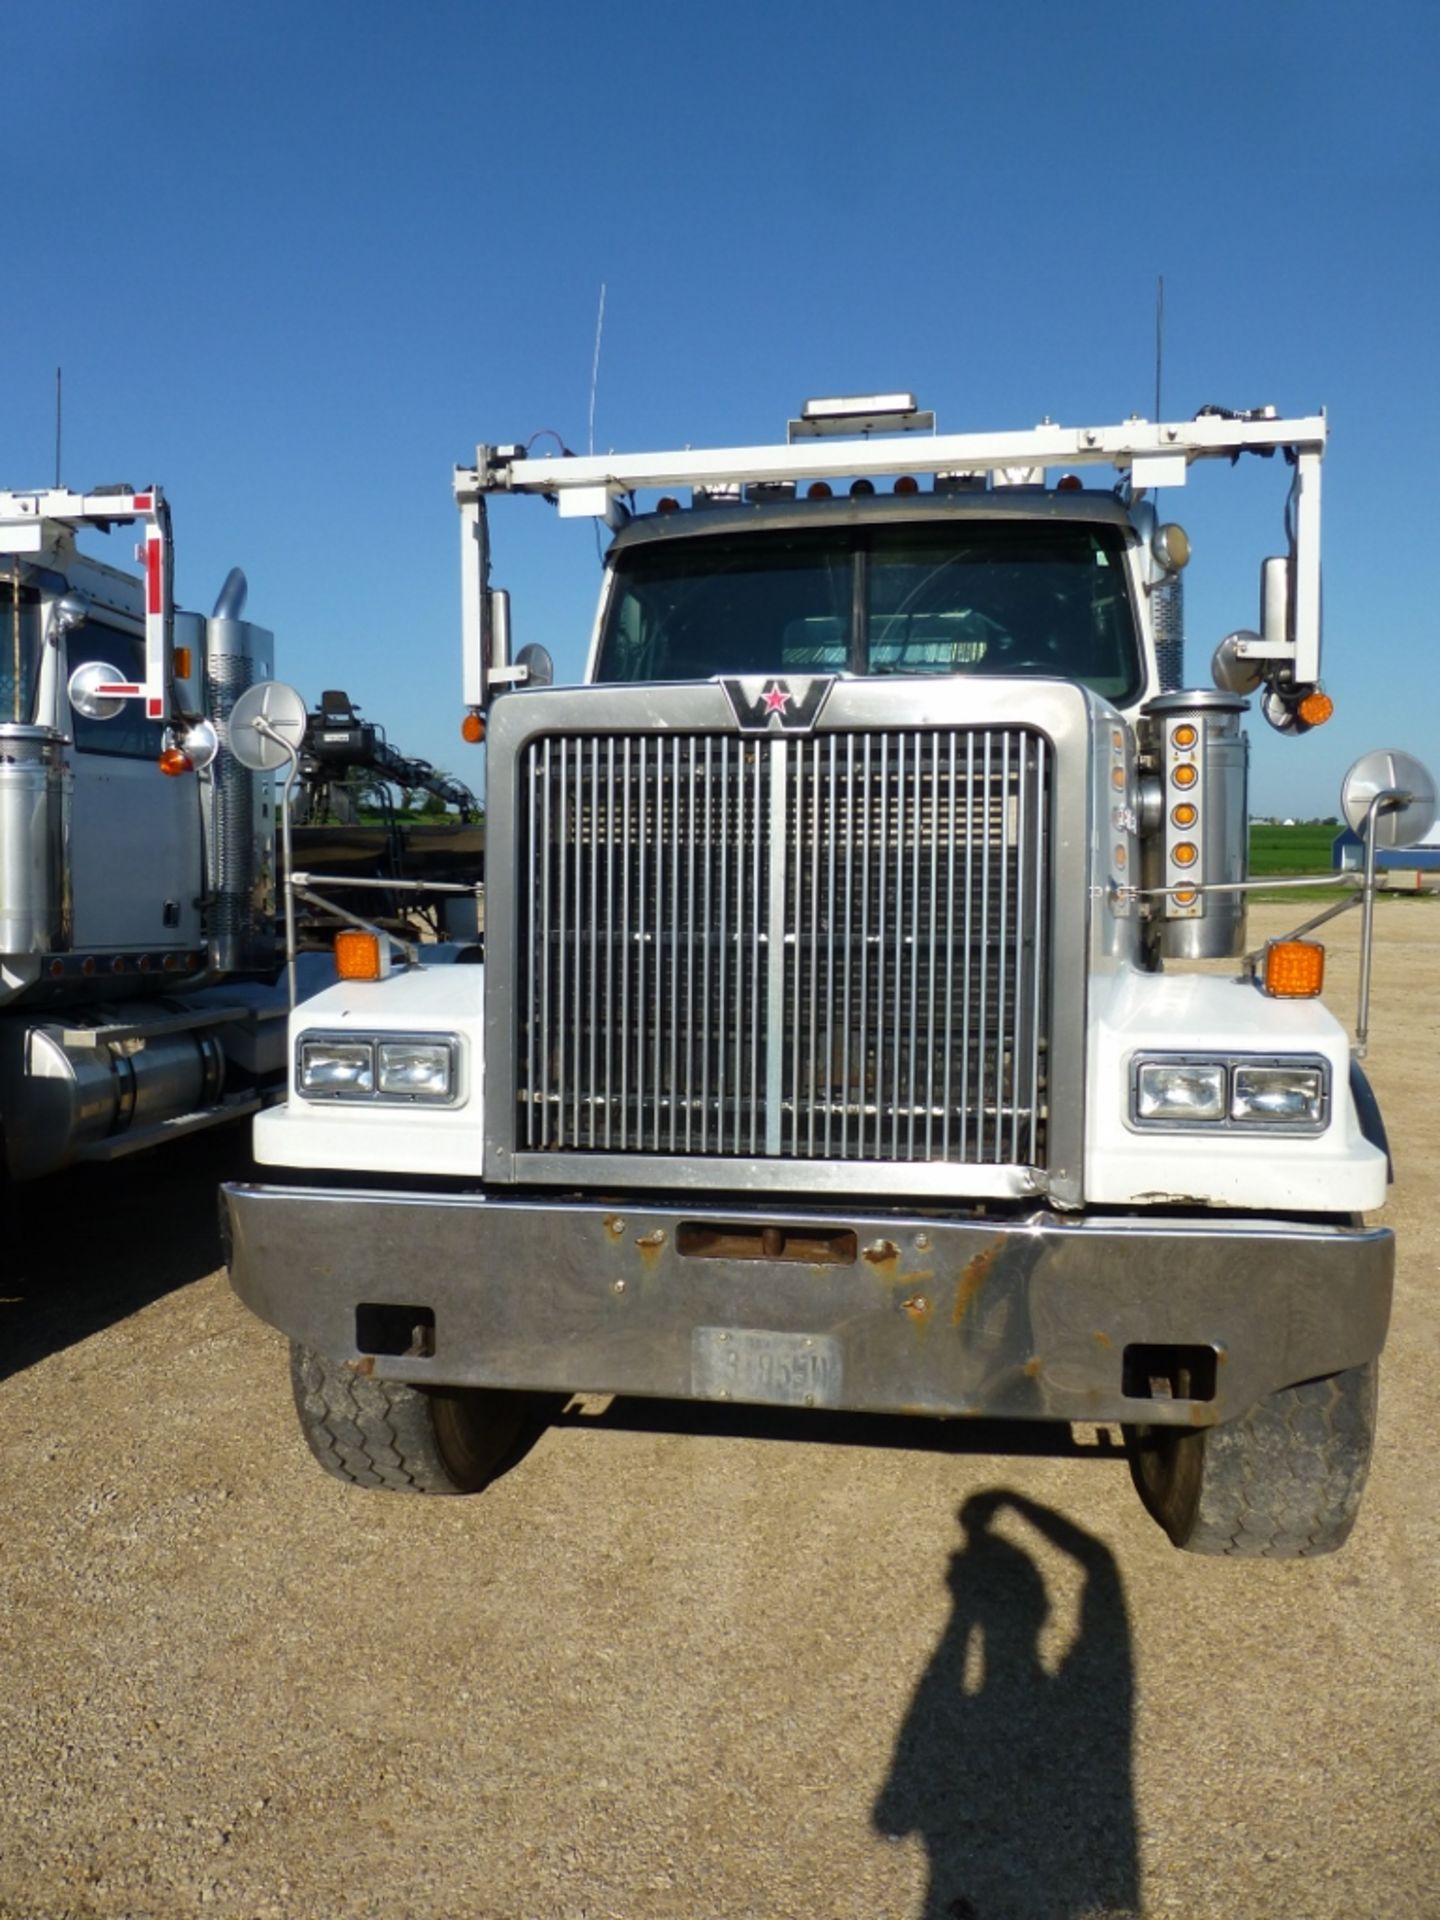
<point x="175" y="760"/>
<point x="357" y="955"/>
<point x="1316" y="708"/>
<point x="472" y="728"/>
<point x="1294" y="969"/>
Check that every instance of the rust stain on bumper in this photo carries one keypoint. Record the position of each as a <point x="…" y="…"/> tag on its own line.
<point x="650" y="1245"/>
<point x="973" y="1276"/>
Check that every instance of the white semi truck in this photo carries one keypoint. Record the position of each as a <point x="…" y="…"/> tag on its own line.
<point x="834" y="1044"/>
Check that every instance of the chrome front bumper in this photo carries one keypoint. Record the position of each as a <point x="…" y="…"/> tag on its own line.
<point x="1045" y="1317"/>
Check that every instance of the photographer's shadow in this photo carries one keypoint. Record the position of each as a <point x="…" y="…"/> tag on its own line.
<point x="1018" y="1779"/>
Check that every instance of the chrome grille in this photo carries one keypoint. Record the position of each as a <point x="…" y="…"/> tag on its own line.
<point x="819" y="948"/>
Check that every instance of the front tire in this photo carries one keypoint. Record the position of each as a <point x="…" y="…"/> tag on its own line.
<point x="404" y="1439"/>
<point x="1281" y="1482"/>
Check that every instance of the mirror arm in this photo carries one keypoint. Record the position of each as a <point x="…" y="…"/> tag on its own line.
<point x="263" y="727"/>
<point x="1387" y="799"/>
<point x="475" y="608"/>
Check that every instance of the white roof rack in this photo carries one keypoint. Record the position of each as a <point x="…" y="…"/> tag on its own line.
<point x="1152" y="454"/>
<point x="1149" y="453"/>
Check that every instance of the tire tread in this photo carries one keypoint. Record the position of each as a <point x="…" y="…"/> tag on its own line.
<point x="382" y="1434"/>
<point x="1283" y="1481"/>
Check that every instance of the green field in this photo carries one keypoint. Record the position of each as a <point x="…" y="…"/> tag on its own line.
<point x="1291" y="849"/>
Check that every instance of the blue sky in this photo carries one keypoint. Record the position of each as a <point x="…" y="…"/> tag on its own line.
<point x="295" y="260"/>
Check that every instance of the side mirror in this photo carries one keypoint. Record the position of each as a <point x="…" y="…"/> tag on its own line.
<point x="82" y="689"/>
<point x="1405" y="789"/>
<point x="1232" y="671"/>
<point x="71" y="610"/>
<point x="1276" y="595"/>
<point x="267" y="726"/>
<point x="539" y="667"/>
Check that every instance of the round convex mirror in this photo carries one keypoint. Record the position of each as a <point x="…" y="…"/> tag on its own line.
<point x="267" y="726"/>
<point x="537" y="663"/>
<point x="1386" y="770"/>
<point x="81" y="689"/>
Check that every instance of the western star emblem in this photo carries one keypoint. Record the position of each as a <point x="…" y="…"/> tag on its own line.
<point x="771" y="704"/>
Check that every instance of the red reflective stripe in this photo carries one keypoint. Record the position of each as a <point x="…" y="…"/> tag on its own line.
<point x="121" y="689"/>
<point x="152" y="573"/>
<point x="143" y="503"/>
<point x="155" y="709"/>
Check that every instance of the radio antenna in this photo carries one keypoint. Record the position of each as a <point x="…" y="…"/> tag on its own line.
<point x="595" y="363"/>
<point x="58" y="415"/>
<point x="1159" y="340"/>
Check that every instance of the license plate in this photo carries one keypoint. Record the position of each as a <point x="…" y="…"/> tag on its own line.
<point x="770" y="1369"/>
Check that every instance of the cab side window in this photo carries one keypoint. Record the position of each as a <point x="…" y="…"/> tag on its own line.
<point x="129" y="736"/>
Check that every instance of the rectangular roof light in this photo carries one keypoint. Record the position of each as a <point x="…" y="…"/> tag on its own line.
<point x="861" y="413"/>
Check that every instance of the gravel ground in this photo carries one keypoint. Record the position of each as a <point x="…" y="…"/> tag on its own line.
<point x="679" y="1662"/>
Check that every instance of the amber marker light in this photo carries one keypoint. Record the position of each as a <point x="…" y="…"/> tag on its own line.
<point x="819" y="490"/>
<point x="1316" y="708"/>
<point x="175" y="760"/>
<point x="1185" y="815"/>
<point x="1294" y="969"/>
<point x="907" y="483"/>
<point x="1186" y="854"/>
<point x="1185" y="737"/>
<point x="1185" y="776"/>
<point x="183" y="663"/>
<point x="472" y="728"/>
<point x="1185" y="896"/>
<point x="1117" y="778"/>
<point x="357" y="955"/>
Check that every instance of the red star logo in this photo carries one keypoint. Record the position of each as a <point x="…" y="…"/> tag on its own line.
<point x="777" y="699"/>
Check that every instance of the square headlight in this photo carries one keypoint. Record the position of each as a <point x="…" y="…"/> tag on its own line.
<point x="418" y="1069"/>
<point x="1180" y="1091"/>
<point x="337" y="1067"/>
<point x="1279" y="1096"/>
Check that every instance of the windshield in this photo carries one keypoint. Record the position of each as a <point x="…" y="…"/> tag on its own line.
<point x="992" y="597"/>
<point x="19" y="648"/>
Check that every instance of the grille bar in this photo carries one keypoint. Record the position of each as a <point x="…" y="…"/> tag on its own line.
<point x="830" y="947"/>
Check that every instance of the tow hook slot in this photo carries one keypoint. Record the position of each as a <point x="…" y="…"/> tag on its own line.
<point x="401" y="1330"/>
<point x="807" y="1246"/>
<point x="1169" y="1373"/>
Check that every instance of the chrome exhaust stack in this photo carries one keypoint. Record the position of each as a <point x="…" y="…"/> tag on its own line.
<point x="239" y="806"/>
